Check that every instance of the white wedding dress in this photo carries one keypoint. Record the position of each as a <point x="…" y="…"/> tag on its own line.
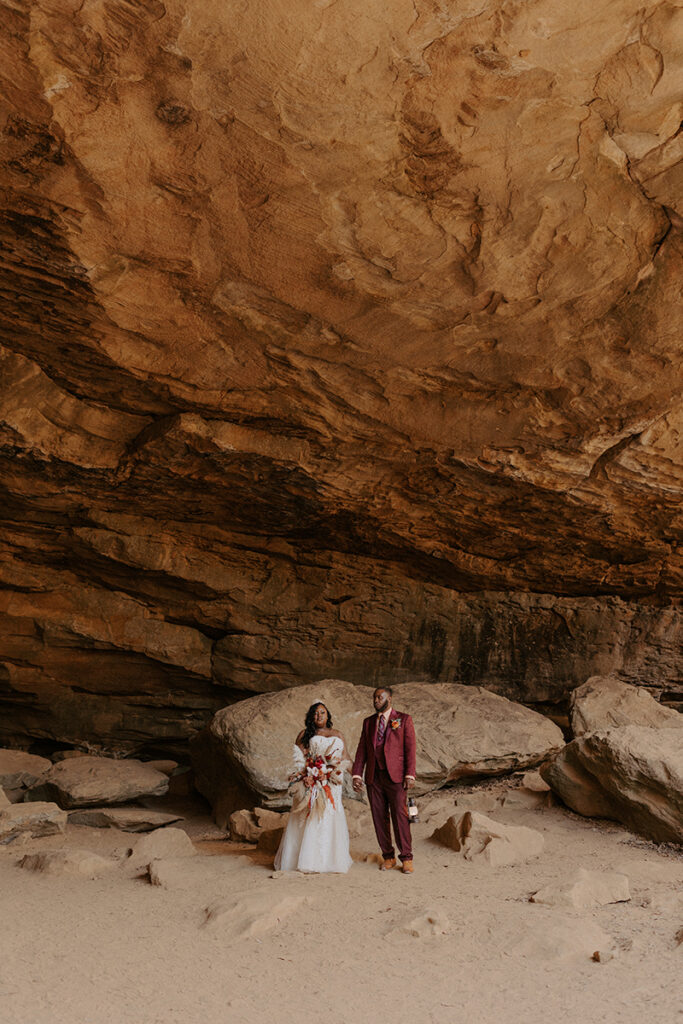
<point x="317" y="843"/>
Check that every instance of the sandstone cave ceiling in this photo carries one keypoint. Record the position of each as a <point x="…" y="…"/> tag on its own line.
<point x="337" y="340"/>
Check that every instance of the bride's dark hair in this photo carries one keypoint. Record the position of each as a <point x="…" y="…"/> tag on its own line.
<point x="309" y="724"/>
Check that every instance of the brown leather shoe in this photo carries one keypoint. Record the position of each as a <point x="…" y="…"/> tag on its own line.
<point x="388" y="864"/>
<point x="407" y="867"/>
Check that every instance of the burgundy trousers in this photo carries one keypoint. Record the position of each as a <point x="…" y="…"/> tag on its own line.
<point x="388" y="799"/>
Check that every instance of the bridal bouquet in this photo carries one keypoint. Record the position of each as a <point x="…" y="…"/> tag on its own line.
<point x="311" y="784"/>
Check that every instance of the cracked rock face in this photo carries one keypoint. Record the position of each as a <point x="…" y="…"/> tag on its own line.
<point x="336" y="340"/>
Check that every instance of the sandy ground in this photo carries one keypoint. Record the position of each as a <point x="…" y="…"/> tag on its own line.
<point x="339" y="949"/>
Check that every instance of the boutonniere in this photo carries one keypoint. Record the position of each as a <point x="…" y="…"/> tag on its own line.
<point x="395" y="723"/>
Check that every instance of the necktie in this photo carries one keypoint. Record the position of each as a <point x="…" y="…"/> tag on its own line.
<point x="381" y="726"/>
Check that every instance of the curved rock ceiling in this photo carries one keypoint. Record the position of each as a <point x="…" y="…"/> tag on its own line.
<point x="338" y="339"/>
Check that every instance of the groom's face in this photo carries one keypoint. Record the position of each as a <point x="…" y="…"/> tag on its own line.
<point x="381" y="699"/>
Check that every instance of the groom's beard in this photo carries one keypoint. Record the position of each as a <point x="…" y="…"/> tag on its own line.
<point x="385" y="707"/>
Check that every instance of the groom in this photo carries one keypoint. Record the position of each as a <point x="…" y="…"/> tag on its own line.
<point x="387" y="752"/>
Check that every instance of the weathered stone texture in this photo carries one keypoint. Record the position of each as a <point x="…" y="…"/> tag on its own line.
<point x="632" y="774"/>
<point x="90" y="781"/>
<point x="605" y="702"/>
<point x="335" y="340"/>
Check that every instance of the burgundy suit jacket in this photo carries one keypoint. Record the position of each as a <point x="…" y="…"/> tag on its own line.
<point x="399" y="748"/>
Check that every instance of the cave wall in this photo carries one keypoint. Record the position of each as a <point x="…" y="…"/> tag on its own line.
<point x="335" y="340"/>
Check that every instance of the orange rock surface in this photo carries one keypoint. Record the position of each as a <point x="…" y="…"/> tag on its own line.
<point x="337" y="340"/>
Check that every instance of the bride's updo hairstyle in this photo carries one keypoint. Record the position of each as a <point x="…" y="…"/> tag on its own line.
<point x="309" y="724"/>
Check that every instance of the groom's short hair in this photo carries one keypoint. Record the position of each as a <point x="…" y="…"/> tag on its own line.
<point x="387" y="689"/>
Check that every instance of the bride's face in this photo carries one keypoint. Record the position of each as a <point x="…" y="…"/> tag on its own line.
<point x="320" y="716"/>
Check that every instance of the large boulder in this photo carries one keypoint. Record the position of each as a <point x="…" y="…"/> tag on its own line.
<point x="462" y="732"/>
<point x="89" y="781"/>
<point x="20" y="770"/>
<point x="35" y="819"/>
<point x="607" y="702"/>
<point x="468" y="732"/>
<point x="633" y="775"/>
<point x="245" y="754"/>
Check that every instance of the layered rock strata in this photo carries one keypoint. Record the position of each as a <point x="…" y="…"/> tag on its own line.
<point x="334" y="340"/>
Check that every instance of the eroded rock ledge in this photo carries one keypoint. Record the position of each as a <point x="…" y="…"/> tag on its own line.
<point x="335" y="340"/>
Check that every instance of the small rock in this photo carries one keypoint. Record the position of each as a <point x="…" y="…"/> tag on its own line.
<point x="586" y="890"/>
<point x="128" y="819"/>
<point x="81" y="863"/>
<point x="365" y="857"/>
<point x="18" y="839"/>
<point x="432" y="922"/>
<point x="252" y="915"/>
<point x="243" y="826"/>
<point x="481" y="801"/>
<point x="536" y="782"/>
<point x="164" y="842"/>
<point x="165" y="767"/>
<point x="169" y="873"/>
<point x="603" y="956"/>
<point x="4" y="799"/>
<point x="558" y="937"/>
<point x="19" y="770"/>
<point x="88" y="781"/>
<point x="37" y="819"/>
<point x="65" y="755"/>
<point x="268" y="820"/>
<point x="247" y="826"/>
<point x="528" y="799"/>
<point x="475" y="835"/>
<point x="15" y="796"/>
<point x="665" y="903"/>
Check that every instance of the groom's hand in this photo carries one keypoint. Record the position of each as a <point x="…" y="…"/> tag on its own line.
<point x="408" y="782"/>
<point x="357" y="785"/>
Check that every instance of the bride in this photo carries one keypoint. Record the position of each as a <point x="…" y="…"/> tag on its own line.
<point x="317" y="838"/>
